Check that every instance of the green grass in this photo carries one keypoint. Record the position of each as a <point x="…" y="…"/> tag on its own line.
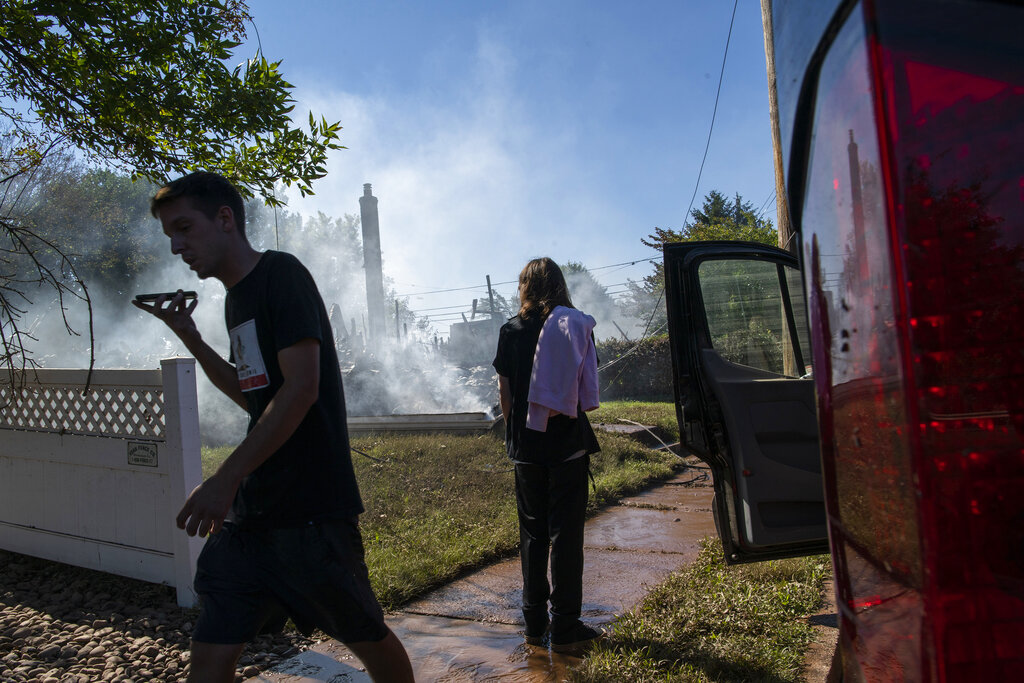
<point x="438" y="505"/>
<point x="624" y="467"/>
<point x="213" y="457"/>
<point x="709" y="622"/>
<point x="661" y="415"/>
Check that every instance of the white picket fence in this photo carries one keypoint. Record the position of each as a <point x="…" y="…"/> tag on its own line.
<point x="94" y="476"/>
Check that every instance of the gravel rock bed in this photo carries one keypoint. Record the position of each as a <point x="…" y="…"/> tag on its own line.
<point x="63" y="624"/>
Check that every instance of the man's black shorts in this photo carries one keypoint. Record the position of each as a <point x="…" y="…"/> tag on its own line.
<point x="250" y="581"/>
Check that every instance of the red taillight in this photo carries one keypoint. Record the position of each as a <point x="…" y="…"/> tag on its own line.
<point x="955" y="138"/>
<point x="915" y="209"/>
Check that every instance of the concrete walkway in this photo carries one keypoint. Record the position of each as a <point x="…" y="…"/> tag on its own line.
<point x="471" y="630"/>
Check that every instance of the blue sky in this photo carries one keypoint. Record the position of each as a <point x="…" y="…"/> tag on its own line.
<point x="494" y="132"/>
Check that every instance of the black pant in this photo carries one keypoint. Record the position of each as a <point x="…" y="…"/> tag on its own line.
<point x="552" y="504"/>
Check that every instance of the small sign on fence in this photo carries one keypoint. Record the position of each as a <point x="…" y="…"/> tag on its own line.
<point x="143" y="454"/>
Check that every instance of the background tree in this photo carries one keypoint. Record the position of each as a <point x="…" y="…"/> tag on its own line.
<point x="98" y="219"/>
<point x="136" y="85"/>
<point x="584" y="289"/>
<point x="593" y="298"/>
<point x="717" y="219"/>
<point x="506" y="308"/>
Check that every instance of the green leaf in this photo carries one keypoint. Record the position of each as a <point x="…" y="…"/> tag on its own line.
<point x="145" y="85"/>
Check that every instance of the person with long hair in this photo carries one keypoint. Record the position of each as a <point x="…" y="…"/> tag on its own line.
<point x="547" y="380"/>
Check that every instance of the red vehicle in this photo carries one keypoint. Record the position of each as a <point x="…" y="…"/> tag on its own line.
<point x="866" y="396"/>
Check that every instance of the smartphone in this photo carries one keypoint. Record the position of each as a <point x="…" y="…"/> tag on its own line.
<point x="145" y="298"/>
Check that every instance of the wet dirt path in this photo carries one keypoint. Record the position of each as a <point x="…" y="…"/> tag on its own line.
<point x="471" y="630"/>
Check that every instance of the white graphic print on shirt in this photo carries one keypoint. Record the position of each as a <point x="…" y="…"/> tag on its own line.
<point x="252" y="373"/>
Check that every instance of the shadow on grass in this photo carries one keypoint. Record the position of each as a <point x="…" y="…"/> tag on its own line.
<point x="830" y="620"/>
<point x="665" y="663"/>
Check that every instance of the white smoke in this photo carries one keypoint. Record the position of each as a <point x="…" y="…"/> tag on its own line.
<point x="410" y="376"/>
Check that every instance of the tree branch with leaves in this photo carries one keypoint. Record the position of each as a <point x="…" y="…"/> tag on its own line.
<point x="141" y="86"/>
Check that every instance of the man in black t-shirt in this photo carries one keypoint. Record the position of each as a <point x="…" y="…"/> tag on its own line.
<point x="282" y="509"/>
<point x="273" y="307"/>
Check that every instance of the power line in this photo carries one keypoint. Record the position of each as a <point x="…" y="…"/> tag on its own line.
<point x="438" y="308"/>
<point x="516" y="282"/>
<point x="765" y="204"/>
<point x="458" y="289"/>
<point x="626" y="263"/>
<point x="696" y="186"/>
<point x="463" y="307"/>
<point x="721" y="74"/>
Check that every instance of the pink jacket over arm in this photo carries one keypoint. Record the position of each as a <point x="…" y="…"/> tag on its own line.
<point x="564" y="368"/>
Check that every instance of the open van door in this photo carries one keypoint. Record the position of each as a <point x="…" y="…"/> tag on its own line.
<point x="744" y="393"/>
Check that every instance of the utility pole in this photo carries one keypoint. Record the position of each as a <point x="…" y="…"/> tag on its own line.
<point x="490" y="294"/>
<point x="787" y="240"/>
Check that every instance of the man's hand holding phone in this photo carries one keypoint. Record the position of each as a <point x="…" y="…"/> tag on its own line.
<point x="147" y="298"/>
<point x="174" y="308"/>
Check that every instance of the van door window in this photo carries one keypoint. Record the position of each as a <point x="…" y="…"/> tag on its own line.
<point x="756" y="314"/>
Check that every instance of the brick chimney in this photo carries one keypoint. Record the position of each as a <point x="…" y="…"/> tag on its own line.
<point x="372" y="264"/>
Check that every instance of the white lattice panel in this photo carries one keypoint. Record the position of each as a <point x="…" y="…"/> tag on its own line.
<point x="103" y="503"/>
<point x="44" y="403"/>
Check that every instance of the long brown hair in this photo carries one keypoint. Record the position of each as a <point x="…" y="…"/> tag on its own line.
<point x="541" y="288"/>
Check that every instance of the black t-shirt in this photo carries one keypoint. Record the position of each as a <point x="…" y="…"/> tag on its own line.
<point x="310" y="477"/>
<point x="565" y="435"/>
